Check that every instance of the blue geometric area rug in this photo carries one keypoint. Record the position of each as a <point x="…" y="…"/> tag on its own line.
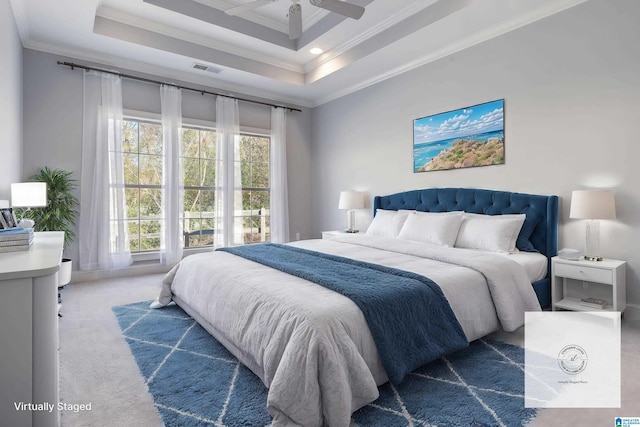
<point x="195" y="381"/>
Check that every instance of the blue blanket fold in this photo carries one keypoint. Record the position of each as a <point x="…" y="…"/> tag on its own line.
<point x="410" y="319"/>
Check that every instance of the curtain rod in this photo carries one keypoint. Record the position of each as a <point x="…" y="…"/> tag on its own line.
<point x="142" y="79"/>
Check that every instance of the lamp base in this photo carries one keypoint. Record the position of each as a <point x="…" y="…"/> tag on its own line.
<point x="593" y="240"/>
<point x="352" y="231"/>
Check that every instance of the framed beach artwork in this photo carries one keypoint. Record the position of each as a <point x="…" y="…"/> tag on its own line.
<point x="464" y="138"/>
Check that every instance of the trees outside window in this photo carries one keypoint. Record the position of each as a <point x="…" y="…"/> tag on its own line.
<point x="142" y="160"/>
<point x="254" y="159"/>
<point x="142" y="155"/>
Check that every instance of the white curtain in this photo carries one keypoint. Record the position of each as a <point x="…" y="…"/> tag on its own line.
<point x="103" y="239"/>
<point x="171" y="239"/>
<point x="228" y="228"/>
<point x="279" y="210"/>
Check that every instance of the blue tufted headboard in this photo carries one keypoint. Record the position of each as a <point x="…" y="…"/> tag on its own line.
<point x="539" y="231"/>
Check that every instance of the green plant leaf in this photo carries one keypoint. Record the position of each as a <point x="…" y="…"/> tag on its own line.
<point x="60" y="213"/>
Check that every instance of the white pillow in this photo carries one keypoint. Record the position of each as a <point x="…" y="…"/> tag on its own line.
<point x="437" y="228"/>
<point x="387" y="223"/>
<point x="495" y="233"/>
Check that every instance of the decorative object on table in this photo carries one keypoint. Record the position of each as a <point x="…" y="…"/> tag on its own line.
<point x="28" y="195"/>
<point x="594" y="303"/>
<point x="351" y="200"/>
<point x="570" y="254"/>
<point x="7" y="219"/>
<point x="16" y="239"/>
<point x="592" y="205"/>
<point x="60" y="212"/>
<point x="463" y="138"/>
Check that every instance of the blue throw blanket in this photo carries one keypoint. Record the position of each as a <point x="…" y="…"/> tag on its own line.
<point x="409" y="317"/>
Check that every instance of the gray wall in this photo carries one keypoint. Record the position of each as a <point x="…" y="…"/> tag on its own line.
<point x="53" y="137"/>
<point x="10" y="101"/>
<point x="571" y="85"/>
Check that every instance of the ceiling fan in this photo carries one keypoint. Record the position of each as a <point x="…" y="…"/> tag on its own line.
<point x="295" y="11"/>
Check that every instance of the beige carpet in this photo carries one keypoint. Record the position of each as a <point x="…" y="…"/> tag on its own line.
<point x="97" y="367"/>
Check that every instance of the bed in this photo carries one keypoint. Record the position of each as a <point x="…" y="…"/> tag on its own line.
<point x="312" y="347"/>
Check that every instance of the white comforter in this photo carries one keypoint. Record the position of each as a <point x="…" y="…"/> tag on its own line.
<point x="311" y="346"/>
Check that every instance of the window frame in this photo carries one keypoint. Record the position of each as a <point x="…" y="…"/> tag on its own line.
<point x="129" y="114"/>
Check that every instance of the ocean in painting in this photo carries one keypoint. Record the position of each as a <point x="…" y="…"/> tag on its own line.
<point x="423" y="153"/>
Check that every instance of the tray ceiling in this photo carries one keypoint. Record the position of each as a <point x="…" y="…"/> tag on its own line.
<point x="252" y="52"/>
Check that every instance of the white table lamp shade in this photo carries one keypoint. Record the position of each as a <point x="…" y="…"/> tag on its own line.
<point x="28" y="194"/>
<point x="351" y="200"/>
<point x="592" y="204"/>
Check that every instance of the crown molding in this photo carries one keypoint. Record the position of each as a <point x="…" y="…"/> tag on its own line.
<point x="313" y="17"/>
<point x="308" y="19"/>
<point x="20" y="18"/>
<point x="249" y="15"/>
<point x="511" y="25"/>
<point x="170" y="74"/>
<point x="305" y="99"/>
<point x="365" y="35"/>
<point x="155" y="27"/>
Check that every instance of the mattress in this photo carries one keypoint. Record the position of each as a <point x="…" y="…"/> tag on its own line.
<point x="535" y="264"/>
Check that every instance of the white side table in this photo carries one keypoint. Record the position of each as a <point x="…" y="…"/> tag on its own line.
<point x="29" y="332"/>
<point x="604" y="279"/>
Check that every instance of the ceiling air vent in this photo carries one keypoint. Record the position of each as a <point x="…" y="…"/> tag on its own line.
<point x="207" y="68"/>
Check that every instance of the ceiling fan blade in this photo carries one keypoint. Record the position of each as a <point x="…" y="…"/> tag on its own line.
<point x="233" y="11"/>
<point x="340" y="7"/>
<point x="295" y="21"/>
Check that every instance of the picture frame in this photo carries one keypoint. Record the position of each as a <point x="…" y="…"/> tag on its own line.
<point x="464" y="138"/>
<point x="7" y="218"/>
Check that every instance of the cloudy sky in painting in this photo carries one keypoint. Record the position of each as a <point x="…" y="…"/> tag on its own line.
<point x="458" y="123"/>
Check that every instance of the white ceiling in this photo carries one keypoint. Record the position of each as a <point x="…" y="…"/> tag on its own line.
<point x="166" y="37"/>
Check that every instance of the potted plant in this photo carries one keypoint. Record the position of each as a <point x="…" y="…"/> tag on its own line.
<point x="60" y="212"/>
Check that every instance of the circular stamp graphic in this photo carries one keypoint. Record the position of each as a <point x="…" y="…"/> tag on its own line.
<point x="572" y="359"/>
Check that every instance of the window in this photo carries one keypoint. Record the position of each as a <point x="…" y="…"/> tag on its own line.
<point x="142" y="160"/>
<point x="254" y="159"/>
<point x="143" y="185"/>
<point x="199" y="168"/>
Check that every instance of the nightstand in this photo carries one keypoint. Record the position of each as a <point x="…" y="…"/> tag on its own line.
<point x="328" y="234"/>
<point x="573" y="280"/>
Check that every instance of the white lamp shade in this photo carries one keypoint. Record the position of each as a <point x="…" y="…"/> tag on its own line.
<point x="351" y="200"/>
<point x="592" y="204"/>
<point x="29" y="194"/>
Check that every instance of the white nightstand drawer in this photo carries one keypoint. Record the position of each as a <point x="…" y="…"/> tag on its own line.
<point x="579" y="272"/>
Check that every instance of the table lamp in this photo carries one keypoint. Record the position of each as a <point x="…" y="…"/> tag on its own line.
<point x="28" y="195"/>
<point x="351" y="200"/>
<point x="592" y="205"/>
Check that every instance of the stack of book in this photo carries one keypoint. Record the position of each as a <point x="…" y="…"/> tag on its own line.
<point x="594" y="303"/>
<point x="16" y="239"/>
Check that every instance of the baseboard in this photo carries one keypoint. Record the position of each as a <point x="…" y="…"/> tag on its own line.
<point x="135" y="270"/>
<point x="632" y="312"/>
